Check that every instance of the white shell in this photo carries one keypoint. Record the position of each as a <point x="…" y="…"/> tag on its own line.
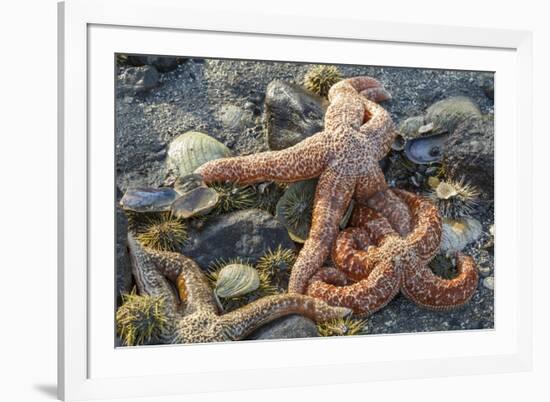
<point x="457" y="234"/>
<point x="192" y="149"/>
<point x="236" y="280"/>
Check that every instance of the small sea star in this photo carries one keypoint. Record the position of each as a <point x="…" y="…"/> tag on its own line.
<point x="358" y="133"/>
<point x="375" y="263"/>
<point x="193" y="312"/>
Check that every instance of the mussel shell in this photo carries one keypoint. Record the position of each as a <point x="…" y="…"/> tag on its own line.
<point x="184" y="184"/>
<point x="424" y="150"/>
<point x="192" y="149"/>
<point x="142" y="199"/>
<point x="236" y="280"/>
<point x="198" y="201"/>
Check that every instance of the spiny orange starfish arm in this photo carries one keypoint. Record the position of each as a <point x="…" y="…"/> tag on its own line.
<point x="193" y="287"/>
<point x="369" y="185"/>
<point x="428" y="290"/>
<point x="352" y="254"/>
<point x="304" y="160"/>
<point x="243" y="321"/>
<point x="332" y="197"/>
<point x="373" y="223"/>
<point x="364" y="297"/>
<point x="425" y="238"/>
<point x="393" y="208"/>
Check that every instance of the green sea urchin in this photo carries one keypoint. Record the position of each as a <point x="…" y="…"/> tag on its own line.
<point x="320" y="78"/>
<point x="233" y="197"/>
<point x="295" y="208"/>
<point x="455" y="199"/>
<point x="342" y="327"/>
<point x="278" y="264"/>
<point x="141" y="320"/>
<point x="160" y="231"/>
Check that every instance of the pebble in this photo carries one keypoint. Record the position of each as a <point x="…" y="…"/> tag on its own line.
<point x="489" y="282"/>
<point x="484" y="270"/>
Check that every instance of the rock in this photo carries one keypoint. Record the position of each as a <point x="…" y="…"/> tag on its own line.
<point x="234" y="118"/>
<point x="291" y="114"/>
<point x="489" y="282"/>
<point x="470" y="154"/>
<point x="134" y="80"/>
<point x="484" y="270"/>
<point x="124" y="279"/>
<point x="292" y="326"/>
<point x="161" y="63"/>
<point x="453" y="114"/>
<point x="457" y="234"/>
<point x="247" y="234"/>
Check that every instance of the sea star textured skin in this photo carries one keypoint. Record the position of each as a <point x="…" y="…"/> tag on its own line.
<point x="193" y="312"/>
<point x="358" y="133"/>
<point x="375" y="263"/>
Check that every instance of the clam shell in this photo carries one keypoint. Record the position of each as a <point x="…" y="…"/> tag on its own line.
<point x="236" y="280"/>
<point x="198" y="201"/>
<point x="192" y="149"/>
<point x="428" y="149"/>
<point x="457" y="234"/>
<point x="142" y="199"/>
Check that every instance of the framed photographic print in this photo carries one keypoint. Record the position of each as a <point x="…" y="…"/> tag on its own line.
<point x="254" y="196"/>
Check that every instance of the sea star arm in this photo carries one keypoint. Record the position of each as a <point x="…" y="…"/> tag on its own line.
<point x="393" y="208"/>
<point x="332" y="197"/>
<point x="352" y="254"/>
<point x="304" y="160"/>
<point x="363" y="297"/>
<point x="425" y="238"/>
<point x="148" y="279"/>
<point x="243" y="321"/>
<point x="369" y="185"/>
<point x="430" y="291"/>
<point x="193" y="287"/>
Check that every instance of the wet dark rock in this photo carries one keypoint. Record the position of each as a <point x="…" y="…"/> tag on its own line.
<point x="124" y="279"/>
<point x="292" y="326"/>
<point x="135" y="80"/>
<point x="161" y="63"/>
<point x="471" y="154"/>
<point x="292" y="114"/>
<point x="247" y="234"/>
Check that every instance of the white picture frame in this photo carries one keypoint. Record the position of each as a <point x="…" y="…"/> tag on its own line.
<point x="89" y="367"/>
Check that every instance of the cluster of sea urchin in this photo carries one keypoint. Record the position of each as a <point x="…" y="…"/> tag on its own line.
<point x="455" y="199"/>
<point x="320" y="78"/>
<point x="160" y="231"/>
<point x="277" y="263"/>
<point x="141" y="319"/>
<point x="233" y="197"/>
<point x="342" y="327"/>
